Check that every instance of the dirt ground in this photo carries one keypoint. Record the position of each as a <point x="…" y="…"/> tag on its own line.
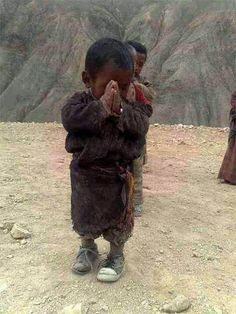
<point x="185" y="243"/>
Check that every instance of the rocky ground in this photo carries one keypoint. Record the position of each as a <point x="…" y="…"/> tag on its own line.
<point x="183" y="245"/>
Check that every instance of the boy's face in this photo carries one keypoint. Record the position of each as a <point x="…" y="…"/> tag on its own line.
<point x="141" y="59"/>
<point x="108" y="73"/>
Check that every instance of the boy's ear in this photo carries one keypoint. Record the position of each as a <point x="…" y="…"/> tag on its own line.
<point x="86" y="79"/>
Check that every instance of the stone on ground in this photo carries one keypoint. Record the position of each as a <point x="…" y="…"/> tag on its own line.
<point x="19" y="233"/>
<point x="178" y="305"/>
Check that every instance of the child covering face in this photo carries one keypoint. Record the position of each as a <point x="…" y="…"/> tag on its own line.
<point x="106" y="132"/>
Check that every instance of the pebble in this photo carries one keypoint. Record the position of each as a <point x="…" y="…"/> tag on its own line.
<point x="161" y="252"/>
<point x="178" y="305"/>
<point x="19" y="233"/>
<point x="105" y="308"/>
<point x="212" y="309"/>
<point x="171" y="292"/>
<point x="93" y="302"/>
<point x="7" y="226"/>
<point x="212" y="258"/>
<point x="23" y="242"/>
<point x="144" y="303"/>
<point x="3" y="287"/>
<point x="197" y="255"/>
<point x="164" y="231"/>
<point x="73" y="309"/>
<point x="10" y="256"/>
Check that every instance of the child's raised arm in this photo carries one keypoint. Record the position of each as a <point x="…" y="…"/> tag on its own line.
<point x="135" y="118"/>
<point x="83" y="114"/>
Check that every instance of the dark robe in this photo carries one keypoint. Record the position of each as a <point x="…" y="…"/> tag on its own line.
<point x="228" y="168"/>
<point x="103" y="146"/>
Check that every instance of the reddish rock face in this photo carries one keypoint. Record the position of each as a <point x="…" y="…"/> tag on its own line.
<point x="192" y="58"/>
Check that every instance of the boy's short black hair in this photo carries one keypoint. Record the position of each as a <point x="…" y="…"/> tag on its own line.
<point x="140" y="48"/>
<point x="104" y="51"/>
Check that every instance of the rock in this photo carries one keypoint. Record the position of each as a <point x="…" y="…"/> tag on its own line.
<point x="18" y="232"/>
<point x="144" y="303"/>
<point x="23" y="242"/>
<point x="181" y="143"/>
<point x="93" y="302"/>
<point x="3" y="286"/>
<point x="7" y="226"/>
<point x="105" y="308"/>
<point x="178" y="305"/>
<point x="73" y="309"/>
<point x="10" y="256"/>
<point x="209" y="309"/>
<point x="197" y="255"/>
<point x="212" y="258"/>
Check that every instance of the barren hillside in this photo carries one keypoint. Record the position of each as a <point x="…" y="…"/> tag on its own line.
<point x="192" y="56"/>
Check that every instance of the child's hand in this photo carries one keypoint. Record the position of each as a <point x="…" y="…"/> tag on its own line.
<point x="131" y="95"/>
<point x="116" y="107"/>
<point x="109" y="94"/>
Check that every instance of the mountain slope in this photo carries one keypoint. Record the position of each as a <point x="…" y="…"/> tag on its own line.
<point x="192" y="55"/>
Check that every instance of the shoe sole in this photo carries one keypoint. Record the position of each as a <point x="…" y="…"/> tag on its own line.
<point x="108" y="278"/>
<point x="81" y="273"/>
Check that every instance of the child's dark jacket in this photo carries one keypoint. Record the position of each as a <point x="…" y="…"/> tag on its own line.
<point x="103" y="147"/>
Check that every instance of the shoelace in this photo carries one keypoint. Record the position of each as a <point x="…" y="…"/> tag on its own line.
<point x="108" y="262"/>
<point x="85" y="252"/>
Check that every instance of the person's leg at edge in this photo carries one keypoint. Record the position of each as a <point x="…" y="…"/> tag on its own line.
<point x="138" y="186"/>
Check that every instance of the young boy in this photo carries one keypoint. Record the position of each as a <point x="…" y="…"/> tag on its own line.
<point x="141" y="84"/>
<point x="141" y="58"/>
<point x="106" y="132"/>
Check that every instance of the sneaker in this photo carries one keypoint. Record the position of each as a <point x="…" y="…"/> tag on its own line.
<point x="138" y="210"/>
<point x="85" y="260"/>
<point x="111" y="269"/>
